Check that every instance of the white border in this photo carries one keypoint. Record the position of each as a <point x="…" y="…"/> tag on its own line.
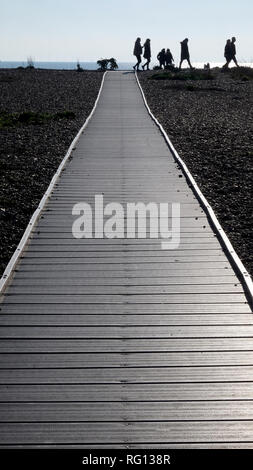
<point x="21" y="246"/>
<point x="243" y="274"/>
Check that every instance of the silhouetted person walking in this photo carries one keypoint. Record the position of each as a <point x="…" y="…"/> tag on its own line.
<point x="230" y="52"/>
<point x="137" y="52"/>
<point x="227" y="53"/>
<point x="161" y="58"/>
<point x="233" y="51"/>
<point x="147" y="54"/>
<point x="185" y="55"/>
<point x="168" y="58"/>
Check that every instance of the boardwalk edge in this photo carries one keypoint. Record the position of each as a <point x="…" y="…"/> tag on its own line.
<point x="236" y="262"/>
<point x="31" y="224"/>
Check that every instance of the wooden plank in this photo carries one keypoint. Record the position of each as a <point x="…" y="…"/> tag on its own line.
<point x="66" y="232"/>
<point x="126" y="411"/>
<point x="76" y="280"/>
<point x="126" y="289"/>
<point x="127" y="309"/>
<point x="119" y="346"/>
<point x="126" y="360"/>
<point x="199" y="445"/>
<point x="130" y="270"/>
<point x="125" y="319"/>
<point x="190" y="207"/>
<point x="152" y="432"/>
<point x="78" y="244"/>
<point x="177" y="266"/>
<point x="61" y="224"/>
<point x="42" y="389"/>
<point x="127" y="299"/>
<point x="123" y="331"/>
<point x="81" y="257"/>
<point x="182" y="375"/>
<point x="193" y="237"/>
<point x="79" y="252"/>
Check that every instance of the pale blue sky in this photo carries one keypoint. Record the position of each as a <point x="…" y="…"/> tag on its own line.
<point x="87" y="30"/>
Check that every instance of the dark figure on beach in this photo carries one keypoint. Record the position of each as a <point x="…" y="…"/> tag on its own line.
<point x="137" y="52"/>
<point x="230" y="52"/>
<point x="168" y="58"/>
<point x="233" y="51"/>
<point x="78" y="67"/>
<point x="227" y="53"/>
<point x="185" y="55"/>
<point x="161" y="58"/>
<point x="147" y="54"/>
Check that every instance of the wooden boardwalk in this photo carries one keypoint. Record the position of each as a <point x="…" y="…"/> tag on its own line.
<point x="118" y="343"/>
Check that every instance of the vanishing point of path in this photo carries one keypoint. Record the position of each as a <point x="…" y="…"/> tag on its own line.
<point x="116" y="342"/>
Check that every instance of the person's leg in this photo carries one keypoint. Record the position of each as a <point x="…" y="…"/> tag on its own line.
<point x="139" y="61"/>
<point x="235" y="61"/>
<point x="228" y="62"/>
<point x="189" y="62"/>
<point x="225" y="66"/>
<point x="148" y="62"/>
<point x="180" y="65"/>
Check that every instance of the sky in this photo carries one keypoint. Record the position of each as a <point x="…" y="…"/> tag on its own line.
<point x="86" y="30"/>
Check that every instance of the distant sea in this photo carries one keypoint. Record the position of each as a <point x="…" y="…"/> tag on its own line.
<point x="93" y="65"/>
<point x="62" y="65"/>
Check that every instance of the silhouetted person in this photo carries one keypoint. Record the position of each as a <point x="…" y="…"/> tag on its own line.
<point x="78" y="67"/>
<point x="185" y="55"/>
<point x="137" y="52"/>
<point x="168" y="58"/>
<point x="233" y="51"/>
<point x="147" y="54"/>
<point x="161" y="58"/>
<point x="227" y="53"/>
<point x="230" y="52"/>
